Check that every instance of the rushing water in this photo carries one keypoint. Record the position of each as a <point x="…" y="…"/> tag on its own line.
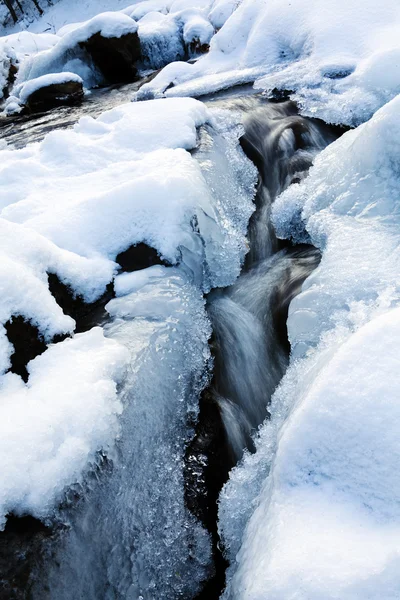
<point x="118" y="543"/>
<point x="249" y="319"/>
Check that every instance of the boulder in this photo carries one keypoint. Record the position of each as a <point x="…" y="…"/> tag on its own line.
<point x="116" y="57"/>
<point x="53" y="95"/>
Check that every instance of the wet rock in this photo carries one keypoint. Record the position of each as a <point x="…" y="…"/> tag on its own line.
<point x="116" y="57"/>
<point x="50" y="96"/>
<point x="140" y="256"/>
<point x="207" y="464"/>
<point x="85" y="315"/>
<point x="21" y="545"/>
<point x="27" y="342"/>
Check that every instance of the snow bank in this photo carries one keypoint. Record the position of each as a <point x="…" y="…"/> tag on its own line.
<point x="68" y="206"/>
<point x="321" y="518"/>
<point x="341" y="60"/>
<point x="329" y="525"/>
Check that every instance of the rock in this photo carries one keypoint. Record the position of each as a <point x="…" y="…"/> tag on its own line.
<point x="196" y="48"/>
<point x="116" y="57"/>
<point x="140" y="256"/>
<point x="55" y="94"/>
<point x="85" y="315"/>
<point x="27" y="342"/>
<point x="21" y="548"/>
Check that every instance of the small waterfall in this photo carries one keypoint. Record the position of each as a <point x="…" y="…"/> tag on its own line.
<point x="250" y="340"/>
<point x="250" y="344"/>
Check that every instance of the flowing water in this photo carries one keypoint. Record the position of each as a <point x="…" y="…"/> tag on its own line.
<point x="118" y="542"/>
<point x="249" y="319"/>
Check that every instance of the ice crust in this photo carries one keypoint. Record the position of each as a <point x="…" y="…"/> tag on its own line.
<point x="314" y="513"/>
<point x="68" y="206"/>
<point x="135" y="521"/>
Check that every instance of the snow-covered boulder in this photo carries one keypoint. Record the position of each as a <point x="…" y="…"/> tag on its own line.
<point x="103" y="49"/>
<point x="46" y="92"/>
<point x="115" y="53"/>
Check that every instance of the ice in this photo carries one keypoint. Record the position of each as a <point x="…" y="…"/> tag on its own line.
<point x="160" y="40"/>
<point x="134" y="519"/>
<point x="313" y="514"/>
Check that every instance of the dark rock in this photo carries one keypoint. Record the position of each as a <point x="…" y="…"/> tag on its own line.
<point x="56" y="94"/>
<point x="12" y="74"/>
<point x="207" y="464"/>
<point x="27" y="341"/>
<point x="115" y="57"/>
<point x="21" y="545"/>
<point x="277" y="95"/>
<point x="196" y="48"/>
<point x="139" y="257"/>
<point x="85" y="315"/>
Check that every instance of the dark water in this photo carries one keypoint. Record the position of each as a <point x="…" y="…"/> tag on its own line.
<point x="249" y="319"/>
<point x="20" y="131"/>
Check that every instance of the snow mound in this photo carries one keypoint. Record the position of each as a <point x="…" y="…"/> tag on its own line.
<point x="341" y="60"/>
<point x="48" y="434"/>
<point x="330" y="521"/>
<point x="329" y="426"/>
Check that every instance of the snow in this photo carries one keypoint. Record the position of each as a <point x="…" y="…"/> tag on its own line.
<point x="329" y="524"/>
<point x="48" y="435"/>
<point x="69" y="205"/>
<point x="314" y="512"/>
<point x="168" y="30"/>
<point x="339" y="60"/>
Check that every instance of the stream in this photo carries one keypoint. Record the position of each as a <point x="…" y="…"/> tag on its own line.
<point x="108" y="548"/>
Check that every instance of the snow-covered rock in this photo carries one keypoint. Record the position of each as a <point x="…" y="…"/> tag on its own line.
<point x="88" y="50"/>
<point x="68" y="206"/>
<point x="52" y="428"/>
<point x="45" y="92"/>
<point x="339" y="59"/>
